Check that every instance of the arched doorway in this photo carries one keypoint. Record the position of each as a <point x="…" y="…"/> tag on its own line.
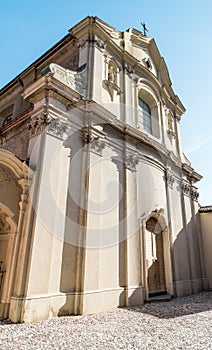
<point x="15" y="181"/>
<point x="7" y="239"/>
<point x="156" y="277"/>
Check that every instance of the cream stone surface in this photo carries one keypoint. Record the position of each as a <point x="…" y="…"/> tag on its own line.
<point x="98" y="203"/>
<point x="206" y="224"/>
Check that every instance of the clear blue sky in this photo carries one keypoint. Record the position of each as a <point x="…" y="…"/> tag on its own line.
<point x="182" y="30"/>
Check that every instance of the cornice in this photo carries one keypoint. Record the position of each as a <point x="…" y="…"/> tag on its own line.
<point x="206" y="209"/>
<point x="41" y="87"/>
<point x="15" y="122"/>
<point x="191" y="173"/>
<point x="127" y="131"/>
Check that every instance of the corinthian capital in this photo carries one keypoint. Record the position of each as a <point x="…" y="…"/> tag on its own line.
<point x="39" y="123"/>
<point x="130" y="161"/>
<point x="194" y="193"/>
<point x="58" y="128"/>
<point x="95" y="137"/>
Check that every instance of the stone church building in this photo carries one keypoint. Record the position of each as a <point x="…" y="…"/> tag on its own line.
<point x="98" y="204"/>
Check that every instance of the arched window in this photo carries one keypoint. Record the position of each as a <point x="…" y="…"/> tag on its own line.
<point x="145" y="116"/>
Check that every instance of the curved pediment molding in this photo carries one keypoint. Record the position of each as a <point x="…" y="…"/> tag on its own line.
<point x="16" y="167"/>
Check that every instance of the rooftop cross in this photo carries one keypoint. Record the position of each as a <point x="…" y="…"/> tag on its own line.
<point x="144" y="28"/>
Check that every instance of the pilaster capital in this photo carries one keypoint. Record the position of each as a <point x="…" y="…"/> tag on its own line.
<point x="130" y="161"/>
<point x="100" y="44"/>
<point x="169" y="178"/>
<point x="194" y="193"/>
<point x="185" y="188"/>
<point x="128" y="68"/>
<point x="81" y="43"/>
<point x="95" y="137"/>
<point x="38" y="123"/>
<point x="58" y="128"/>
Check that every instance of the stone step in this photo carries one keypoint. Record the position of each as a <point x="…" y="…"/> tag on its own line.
<point x="160" y="298"/>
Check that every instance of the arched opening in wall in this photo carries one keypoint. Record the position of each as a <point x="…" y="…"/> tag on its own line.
<point x="156" y="278"/>
<point x="148" y="114"/>
<point x="7" y="240"/>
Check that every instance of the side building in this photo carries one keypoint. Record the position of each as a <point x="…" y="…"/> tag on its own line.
<point x="98" y="203"/>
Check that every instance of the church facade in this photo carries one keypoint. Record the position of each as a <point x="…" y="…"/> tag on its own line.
<point x="98" y="203"/>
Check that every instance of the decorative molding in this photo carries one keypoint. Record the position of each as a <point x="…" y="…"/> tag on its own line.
<point x="171" y="134"/>
<point x="185" y="188"/>
<point x="77" y="81"/>
<point x="25" y="184"/>
<point x="178" y="117"/>
<point x="169" y="178"/>
<point x="111" y="87"/>
<point x="128" y="68"/>
<point x="4" y="224"/>
<point x="82" y="43"/>
<point x="147" y="63"/>
<point x="101" y="44"/>
<point x="5" y="176"/>
<point x="170" y="131"/>
<point x="194" y="193"/>
<point x="131" y="161"/>
<point x="38" y="123"/>
<point x="1" y="141"/>
<point x="95" y="137"/>
<point x="158" y="212"/>
<point x="57" y="128"/>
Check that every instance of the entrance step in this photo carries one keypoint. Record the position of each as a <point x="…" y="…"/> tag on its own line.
<point x="159" y="298"/>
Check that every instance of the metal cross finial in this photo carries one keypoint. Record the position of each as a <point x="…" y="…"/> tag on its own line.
<point x="144" y="28"/>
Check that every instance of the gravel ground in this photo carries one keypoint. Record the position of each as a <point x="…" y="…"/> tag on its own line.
<point x="182" y="323"/>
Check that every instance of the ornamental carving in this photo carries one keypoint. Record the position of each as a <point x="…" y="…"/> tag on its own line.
<point x="170" y="131"/>
<point x="38" y="124"/>
<point x="58" y="129"/>
<point x="128" y="68"/>
<point x="194" y="194"/>
<point x="95" y="137"/>
<point x="1" y="141"/>
<point x="4" y="225"/>
<point x="131" y="161"/>
<point x="169" y="178"/>
<point x="82" y="42"/>
<point x="110" y="83"/>
<point x="185" y="188"/>
<point x="76" y="80"/>
<point x="101" y="44"/>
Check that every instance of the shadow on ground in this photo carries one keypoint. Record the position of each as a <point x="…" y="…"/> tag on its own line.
<point x="177" y="307"/>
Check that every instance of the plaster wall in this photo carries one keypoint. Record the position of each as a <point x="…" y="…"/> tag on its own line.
<point x="206" y="225"/>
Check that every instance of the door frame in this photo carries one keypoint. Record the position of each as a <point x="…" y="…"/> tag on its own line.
<point x="157" y="214"/>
